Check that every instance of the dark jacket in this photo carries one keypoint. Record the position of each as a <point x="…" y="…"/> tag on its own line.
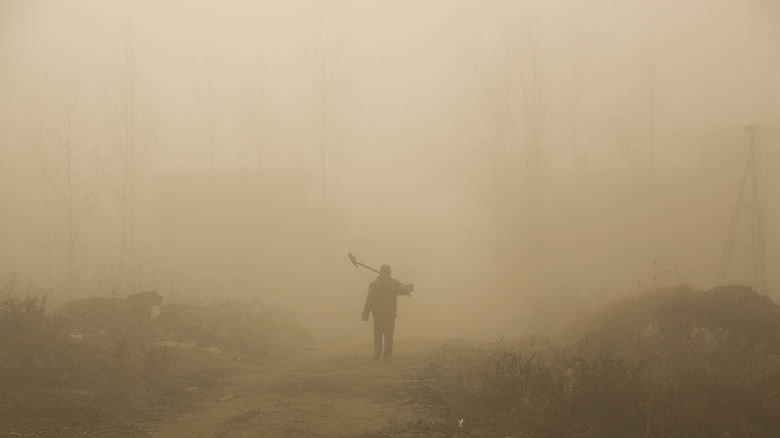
<point x="382" y="295"/>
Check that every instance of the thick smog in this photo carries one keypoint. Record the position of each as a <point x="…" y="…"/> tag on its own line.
<point x="373" y="218"/>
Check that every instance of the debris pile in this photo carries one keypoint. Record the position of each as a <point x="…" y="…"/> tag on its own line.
<point x="72" y="367"/>
<point x="236" y="328"/>
<point x="677" y="362"/>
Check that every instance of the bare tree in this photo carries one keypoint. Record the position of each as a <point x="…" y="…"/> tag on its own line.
<point x="578" y="79"/>
<point x="645" y="134"/>
<point x="71" y="184"/>
<point x="254" y="123"/>
<point x="210" y="104"/>
<point x="325" y="149"/>
<point x="510" y="144"/>
<point x="132" y="152"/>
<point x="4" y="153"/>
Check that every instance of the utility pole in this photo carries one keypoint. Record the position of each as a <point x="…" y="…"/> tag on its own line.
<point x="757" y="242"/>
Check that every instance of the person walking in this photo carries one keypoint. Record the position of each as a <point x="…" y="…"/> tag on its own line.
<point x="381" y="302"/>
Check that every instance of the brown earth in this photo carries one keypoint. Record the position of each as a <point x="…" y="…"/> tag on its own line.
<point x="322" y="389"/>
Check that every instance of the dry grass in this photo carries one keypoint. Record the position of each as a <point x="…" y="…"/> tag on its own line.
<point x="670" y="363"/>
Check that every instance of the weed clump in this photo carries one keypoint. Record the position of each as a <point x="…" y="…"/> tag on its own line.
<point x="96" y="356"/>
<point x="671" y="363"/>
<point x="22" y="316"/>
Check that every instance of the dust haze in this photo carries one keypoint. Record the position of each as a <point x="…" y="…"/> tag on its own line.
<point x="519" y="162"/>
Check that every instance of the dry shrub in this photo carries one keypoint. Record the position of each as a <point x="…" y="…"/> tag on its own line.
<point x="674" y="363"/>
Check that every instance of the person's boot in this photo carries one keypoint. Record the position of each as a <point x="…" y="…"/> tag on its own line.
<point x="377" y="355"/>
<point x="388" y="360"/>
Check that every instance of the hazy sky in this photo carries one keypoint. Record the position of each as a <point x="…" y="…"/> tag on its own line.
<point x="405" y="64"/>
<point x="406" y="69"/>
<point x="400" y="57"/>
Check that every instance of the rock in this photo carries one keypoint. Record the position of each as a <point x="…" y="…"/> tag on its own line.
<point x="84" y="308"/>
<point x="91" y="314"/>
<point x="178" y="318"/>
<point x="145" y="299"/>
<point x="212" y="350"/>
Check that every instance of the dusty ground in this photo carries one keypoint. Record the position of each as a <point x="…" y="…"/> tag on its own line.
<point x="324" y="389"/>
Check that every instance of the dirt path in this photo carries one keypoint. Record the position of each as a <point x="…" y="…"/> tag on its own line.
<point x="332" y="389"/>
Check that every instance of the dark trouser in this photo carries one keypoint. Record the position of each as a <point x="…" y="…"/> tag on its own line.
<point x="386" y="327"/>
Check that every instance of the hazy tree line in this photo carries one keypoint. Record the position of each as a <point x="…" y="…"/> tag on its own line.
<point x="532" y="119"/>
<point x="529" y="114"/>
<point x="76" y="164"/>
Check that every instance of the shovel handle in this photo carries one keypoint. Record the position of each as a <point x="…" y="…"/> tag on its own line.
<point x="357" y="264"/>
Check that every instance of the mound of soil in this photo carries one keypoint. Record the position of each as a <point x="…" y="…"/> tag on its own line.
<point x="670" y="363"/>
<point x="665" y="320"/>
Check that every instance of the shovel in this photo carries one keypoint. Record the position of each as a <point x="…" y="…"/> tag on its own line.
<point x="353" y="259"/>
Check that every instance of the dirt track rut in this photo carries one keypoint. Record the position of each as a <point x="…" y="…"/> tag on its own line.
<point x="332" y="389"/>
